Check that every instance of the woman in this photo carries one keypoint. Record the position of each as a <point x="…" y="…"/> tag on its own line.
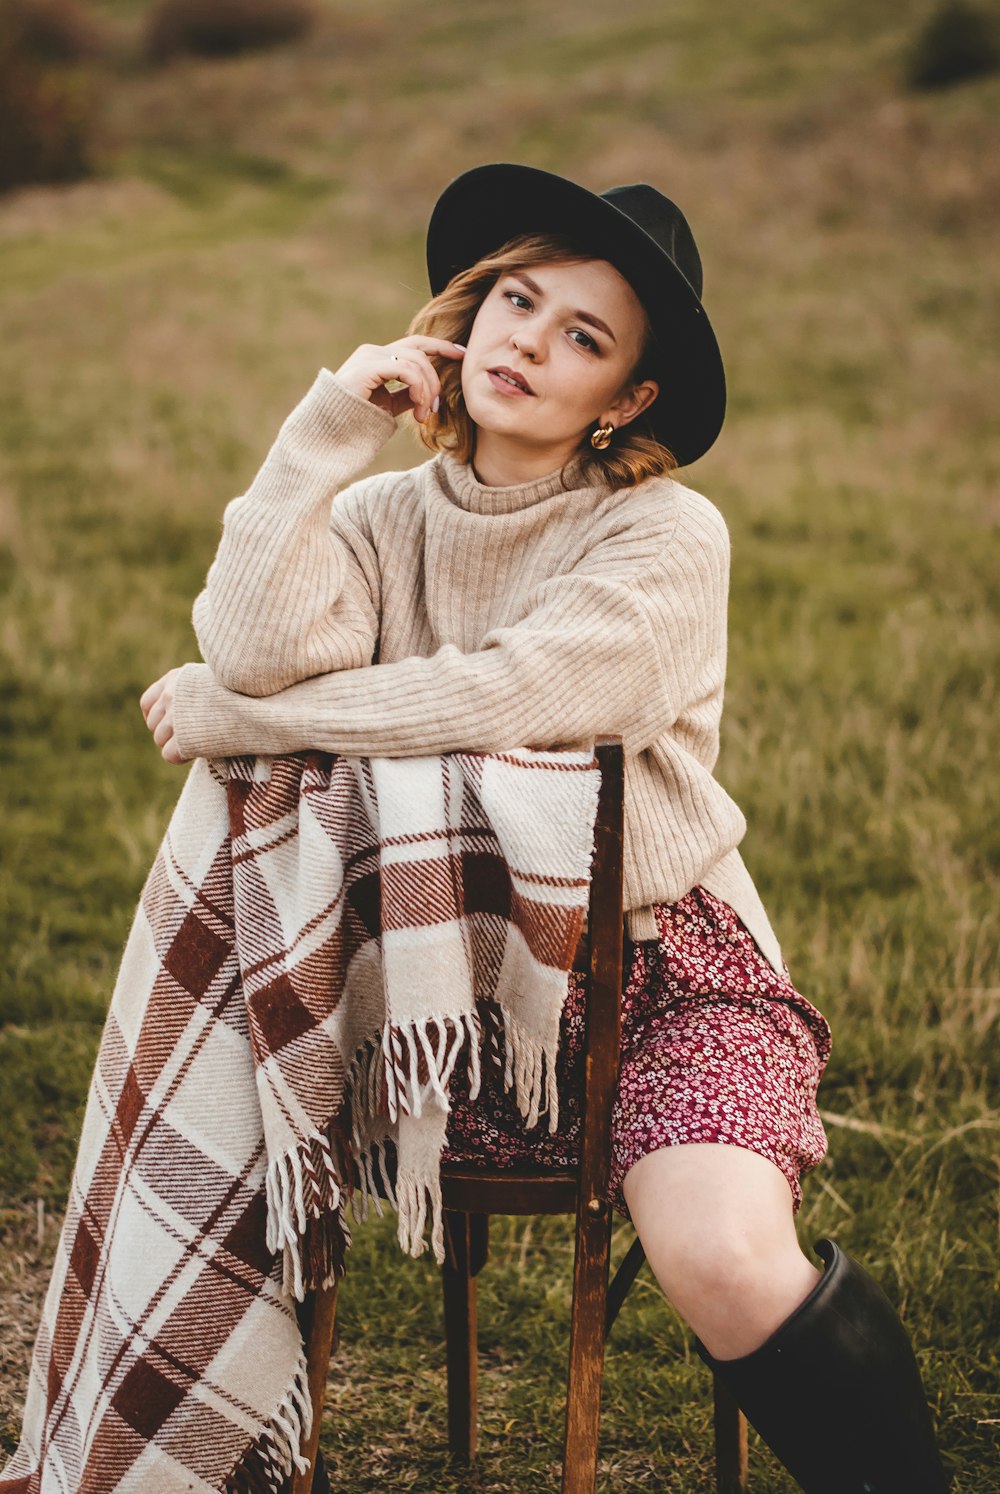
<point x="544" y="579"/>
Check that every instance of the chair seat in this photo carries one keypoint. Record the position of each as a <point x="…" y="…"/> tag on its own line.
<point x="480" y="1190"/>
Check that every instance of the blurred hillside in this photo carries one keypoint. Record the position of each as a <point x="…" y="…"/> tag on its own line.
<point x="252" y="219"/>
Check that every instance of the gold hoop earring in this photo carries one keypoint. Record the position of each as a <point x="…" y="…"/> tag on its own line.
<point x="601" y="438"/>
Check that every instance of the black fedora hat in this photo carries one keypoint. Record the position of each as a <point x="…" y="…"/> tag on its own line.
<point x="638" y="230"/>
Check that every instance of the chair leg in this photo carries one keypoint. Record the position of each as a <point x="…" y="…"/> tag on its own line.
<point x="466" y="1244"/>
<point x="318" y="1316"/>
<point x="586" y="1349"/>
<point x="623" y="1278"/>
<point x="731" y="1467"/>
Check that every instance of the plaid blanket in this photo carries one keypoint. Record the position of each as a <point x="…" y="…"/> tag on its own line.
<point x="319" y="942"/>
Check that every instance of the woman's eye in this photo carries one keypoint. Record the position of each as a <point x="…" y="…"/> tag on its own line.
<point x="585" y="341"/>
<point x="516" y="299"/>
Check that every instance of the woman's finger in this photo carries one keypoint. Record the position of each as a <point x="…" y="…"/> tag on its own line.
<point x="170" y="752"/>
<point x="426" y="395"/>
<point x="150" y="696"/>
<point x="155" y="715"/>
<point x="156" y="702"/>
<point x="415" y="370"/>
<point x="436" y="345"/>
<point x="163" y="732"/>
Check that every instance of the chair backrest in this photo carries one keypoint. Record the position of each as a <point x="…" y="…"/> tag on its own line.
<point x="471" y="1189"/>
<point x="604" y="938"/>
<point x="472" y="1194"/>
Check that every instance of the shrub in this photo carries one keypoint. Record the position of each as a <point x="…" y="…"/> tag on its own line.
<point x="50" y="31"/>
<point x="222" y="28"/>
<point x="46" y="124"/>
<point x="958" y="42"/>
<point x="48" y="102"/>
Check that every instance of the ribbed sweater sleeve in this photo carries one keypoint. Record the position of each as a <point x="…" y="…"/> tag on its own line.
<point x="594" y="653"/>
<point x="290" y="593"/>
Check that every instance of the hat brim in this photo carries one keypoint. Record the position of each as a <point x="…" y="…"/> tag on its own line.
<point x="485" y="207"/>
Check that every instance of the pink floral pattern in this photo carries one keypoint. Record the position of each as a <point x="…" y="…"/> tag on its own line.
<point x="716" y="1047"/>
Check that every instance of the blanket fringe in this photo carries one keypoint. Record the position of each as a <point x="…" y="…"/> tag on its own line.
<point x="413" y="1197"/>
<point x="413" y="1070"/>
<point x="369" y="1153"/>
<point x="306" y="1190"/>
<point x="267" y="1465"/>
<point x="529" y="1068"/>
<point x="406" y="1067"/>
<point x="402" y="1071"/>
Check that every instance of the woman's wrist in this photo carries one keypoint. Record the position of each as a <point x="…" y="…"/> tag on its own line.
<point x="330" y="411"/>
<point x="193" y="686"/>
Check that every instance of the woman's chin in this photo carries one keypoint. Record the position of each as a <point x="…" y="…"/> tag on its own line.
<point x="515" y="426"/>
<point x="501" y="414"/>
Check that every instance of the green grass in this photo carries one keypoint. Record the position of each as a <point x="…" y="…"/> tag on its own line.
<point x="257" y="218"/>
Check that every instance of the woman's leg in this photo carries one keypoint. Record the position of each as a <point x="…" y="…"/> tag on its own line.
<point x="820" y="1362"/>
<point x="717" y="1225"/>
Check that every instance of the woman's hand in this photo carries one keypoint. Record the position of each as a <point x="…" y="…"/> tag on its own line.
<point x="408" y="361"/>
<point x="157" y="705"/>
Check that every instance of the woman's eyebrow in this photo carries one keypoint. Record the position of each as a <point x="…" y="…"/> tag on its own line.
<point x="581" y="316"/>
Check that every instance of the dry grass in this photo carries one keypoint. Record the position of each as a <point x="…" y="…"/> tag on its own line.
<point x="27" y="1248"/>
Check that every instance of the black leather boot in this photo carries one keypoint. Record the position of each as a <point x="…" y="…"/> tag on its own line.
<point x="836" y="1393"/>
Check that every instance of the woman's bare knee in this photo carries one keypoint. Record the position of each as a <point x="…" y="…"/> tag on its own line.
<point x="717" y="1226"/>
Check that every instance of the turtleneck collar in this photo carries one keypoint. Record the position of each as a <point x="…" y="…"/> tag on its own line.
<point x="464" y="488"/>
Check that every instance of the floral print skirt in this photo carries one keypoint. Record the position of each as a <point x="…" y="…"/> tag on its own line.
<point x="716" y="1047"/>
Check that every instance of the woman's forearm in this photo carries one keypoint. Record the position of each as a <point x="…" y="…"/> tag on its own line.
<point x="585" y="664"/>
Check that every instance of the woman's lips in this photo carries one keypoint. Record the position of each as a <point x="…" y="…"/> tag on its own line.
<point x="506" y="381"/>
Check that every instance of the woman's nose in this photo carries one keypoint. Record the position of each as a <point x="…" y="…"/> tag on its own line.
<point x="527" y="343"/>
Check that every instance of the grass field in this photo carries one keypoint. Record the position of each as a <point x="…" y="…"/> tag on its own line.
<point x="254" y="220"/>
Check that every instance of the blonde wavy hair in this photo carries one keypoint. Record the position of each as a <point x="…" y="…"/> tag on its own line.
<point x="634" y="453"/>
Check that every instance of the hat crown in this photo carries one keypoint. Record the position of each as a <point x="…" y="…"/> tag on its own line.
<point x="665" y="224"/>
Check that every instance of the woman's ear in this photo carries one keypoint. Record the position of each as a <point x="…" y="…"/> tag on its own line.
<point x="632" y="402"/>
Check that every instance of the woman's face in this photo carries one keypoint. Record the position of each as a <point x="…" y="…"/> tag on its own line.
<point x="550" y="357"/>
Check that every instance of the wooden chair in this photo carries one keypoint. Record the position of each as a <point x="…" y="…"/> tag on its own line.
<point x="471" y="1196"/>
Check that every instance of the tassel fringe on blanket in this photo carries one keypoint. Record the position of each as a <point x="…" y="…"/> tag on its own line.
<point x="319" y="943"/>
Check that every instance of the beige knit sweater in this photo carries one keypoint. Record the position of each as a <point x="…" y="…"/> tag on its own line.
<point x="539" y="615"/>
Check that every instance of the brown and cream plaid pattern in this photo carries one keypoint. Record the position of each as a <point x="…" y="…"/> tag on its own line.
<point x="319" y="941"/>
